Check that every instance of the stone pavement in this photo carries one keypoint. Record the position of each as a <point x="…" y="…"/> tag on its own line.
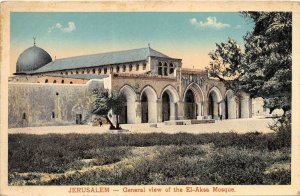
<point x="236" y="125"/>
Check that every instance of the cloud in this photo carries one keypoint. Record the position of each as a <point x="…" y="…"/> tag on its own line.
<point x="71" y="27"/>
<point x="238" y="26"/>
<point x="211" y="22"/>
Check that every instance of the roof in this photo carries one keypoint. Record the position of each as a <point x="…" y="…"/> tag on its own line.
<point x="81" y="76"/>
<point x="101" y="59"/>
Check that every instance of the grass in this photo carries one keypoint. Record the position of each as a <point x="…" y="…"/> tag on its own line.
<point x="154" y="158"/>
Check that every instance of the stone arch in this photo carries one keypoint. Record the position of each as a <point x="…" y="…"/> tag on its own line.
<point x="148" y="98"/>
<point x="215" y="103"/>
<point x="193" y="109"/>
<point x="169" y="97"/>
<point x="230" y="105"/>
<point x="129" y="112"/>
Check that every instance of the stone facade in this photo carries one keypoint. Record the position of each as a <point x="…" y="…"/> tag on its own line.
<point x="157" y="89"/>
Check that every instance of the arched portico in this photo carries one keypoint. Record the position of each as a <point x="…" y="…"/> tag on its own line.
<point x="129" y="112"/>
<point x="193" y="101"/>
<point x="168" y="104"/>
<point x="148" y="100"/>
<point x="215" y="103"/>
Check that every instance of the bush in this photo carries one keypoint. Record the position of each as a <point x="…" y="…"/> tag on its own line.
<point x="283" y="129"/>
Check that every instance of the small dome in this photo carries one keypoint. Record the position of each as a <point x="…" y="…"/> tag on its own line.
<point x="32" y="59"/>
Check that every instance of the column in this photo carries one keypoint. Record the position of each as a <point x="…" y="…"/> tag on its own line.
<point x="245" y="107"/>
<point x="138" y="118"/>
<point x="159" y="110"/>
<point x="199" y="111"/>
<point x="172" y="111"/>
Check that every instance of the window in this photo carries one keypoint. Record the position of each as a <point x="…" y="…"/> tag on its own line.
<point x="71" y="82"/>
<point x="171" y="68"/>
<point x="165" y="69"/>
<point x="61" y="73"/>
<point x="62" y="81"/>
<point x="76" y="72"/>
<point x="24" y="116"/>
<point x="82" y="72"/>
<point x="118" y="69"/>
<point x="53" y="115"/>
<point x="105" y="70"/>
<point x="46" y="81"/>
<point x="94" y="71"/>
<point x="159" y="71"/>
<point x="144" y="66"/>
<point x="54" y="81"/>
<point x="71" y="72"/>
<point x="88" y="71"/>
<point x="130" y="67"/>
<point x="66" y="73"/>
<point x="99" y="71"/>
<point x="137" y="67"/>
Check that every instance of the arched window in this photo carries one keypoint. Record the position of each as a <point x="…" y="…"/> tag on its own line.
<point x="53" y="115"/>
<point x="88" y="71"/>
<point x="137" y="67"/>
<point x="66" y="73"/>
<point x="71" y="72"/>
<point x="61" y="73"/>
<point x="24" y="116"/>
<point x="99" y="71"/>
<point x="46" y="81"/>
<point x="94" y="71"/>
<point x="118" y="69"/>
<point x="124" y="68"/>
<point x="105" y="70"/>
<point x="82" y="72"/>
<point x="62" y="81"/>
<point x="130" y="67"/>
<point x="144" y="66"/>
<point x="171" y="70"/>
<point x="54" y="81"/>
<point x="165" y="69"/>
<point x="76" y="72"/>
<point x="160" y="67"/>
<point x="71" y="82"/>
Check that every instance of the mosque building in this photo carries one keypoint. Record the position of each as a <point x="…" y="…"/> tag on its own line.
<point x="44" y="91"/>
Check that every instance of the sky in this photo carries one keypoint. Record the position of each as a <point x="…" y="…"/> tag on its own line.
<point x="189" y="36"/>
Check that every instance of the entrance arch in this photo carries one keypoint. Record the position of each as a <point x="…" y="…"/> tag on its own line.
<point x="193" y="101"/>
<point x="190" y="105"/>
<point x="169" y="101"/>
<point x="128" y="113"/>
<point x="215" y="103"/>
<point x="148" y="105"/>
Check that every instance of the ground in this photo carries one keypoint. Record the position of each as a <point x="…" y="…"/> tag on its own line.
<point x="242" y="125"/>
<point x="172" y="157"/>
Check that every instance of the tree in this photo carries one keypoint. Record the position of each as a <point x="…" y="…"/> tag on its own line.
<point x="264" y="68"/>
<point x="226" y="64"/>
<point x="103" y="102"/>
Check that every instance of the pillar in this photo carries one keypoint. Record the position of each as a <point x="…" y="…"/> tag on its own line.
<point x="138" y="118"/>
<point x="245" y="112"/>
<point x="172" y="111"/>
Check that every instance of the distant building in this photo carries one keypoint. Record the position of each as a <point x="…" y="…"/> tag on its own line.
<point x="157" y="89"/>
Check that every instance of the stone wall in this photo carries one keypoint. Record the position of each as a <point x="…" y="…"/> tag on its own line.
<point x="46" y="104"/>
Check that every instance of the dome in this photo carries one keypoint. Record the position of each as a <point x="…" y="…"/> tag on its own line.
<point x="32" y="59"/>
